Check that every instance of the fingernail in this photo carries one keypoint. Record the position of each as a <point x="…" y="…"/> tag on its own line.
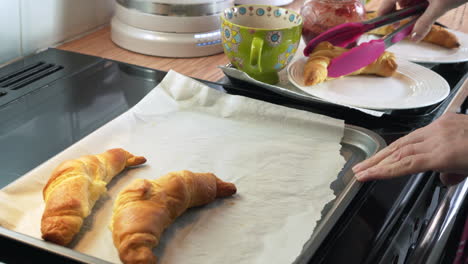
<point x="357" y="167"/>
<point x="361" y="175"/>
<point x="415" y="37"/>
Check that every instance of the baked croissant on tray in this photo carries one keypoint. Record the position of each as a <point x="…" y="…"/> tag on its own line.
<point x="437" y="35"/>
<point x="145" y="208"/>
<point x="315" y="70"/>
<point x="73" y="189"/>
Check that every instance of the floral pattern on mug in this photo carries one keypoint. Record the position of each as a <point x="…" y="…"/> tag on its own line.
<point x="286" y="57"/>
<point x="277" y="13"/>
<point x="242" y="10"/>
<point x="260" y="12"/>
<point x="231" y="35"/>
<point x="274" y="38"/>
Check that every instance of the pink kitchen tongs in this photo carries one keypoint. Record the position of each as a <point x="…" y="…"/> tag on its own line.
<point x="366" y="53"/>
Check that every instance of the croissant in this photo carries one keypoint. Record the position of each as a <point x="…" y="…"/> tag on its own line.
<point x="437" y="35"/>
<point x="315" y="70"/>
<point x="146" y="207"/>
<point x="73" y="189"/>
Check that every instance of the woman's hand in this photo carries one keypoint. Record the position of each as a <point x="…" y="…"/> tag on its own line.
<point x="435" y="10"/>
<point x="441" y="146"/>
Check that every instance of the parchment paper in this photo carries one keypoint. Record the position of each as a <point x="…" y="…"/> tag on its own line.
<point x="281" y="160"/>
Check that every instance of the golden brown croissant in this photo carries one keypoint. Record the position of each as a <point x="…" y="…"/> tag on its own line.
<point x="437" y="35"/>
<point x="315" y="69"/>
<point x="146" y="207"/>
<point x="73" y="189"/>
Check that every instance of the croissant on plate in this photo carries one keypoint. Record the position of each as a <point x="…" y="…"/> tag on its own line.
<point x="73" y="189"/>
<point x="146" y="207"/>
<point x="315" y="70"/>
<point x="437" y="35"/>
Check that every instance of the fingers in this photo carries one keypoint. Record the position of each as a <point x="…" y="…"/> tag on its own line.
<point x="387" y="159"/>
<point x="436" y="147"/>
<point x="451" y="178"/>
<point x="421" y="150"/>
<point x="387" y="7"/>
<point x="404" y="156"/>
<point x="412" y="138"/>
<point x="424" y="23"/>
<point x="407" y="165"/>
<point x="405" y="151"/>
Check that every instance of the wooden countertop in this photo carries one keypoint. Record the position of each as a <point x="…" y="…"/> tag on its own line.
<point x="100" y="44"/>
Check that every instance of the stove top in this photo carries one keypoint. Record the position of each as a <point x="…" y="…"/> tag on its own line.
<point x="53" y="99"/>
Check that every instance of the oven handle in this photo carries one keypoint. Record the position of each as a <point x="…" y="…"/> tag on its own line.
<point x="429" y="248"/>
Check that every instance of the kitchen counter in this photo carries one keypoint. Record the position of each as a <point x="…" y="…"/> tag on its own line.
<point x="100" y="44"/>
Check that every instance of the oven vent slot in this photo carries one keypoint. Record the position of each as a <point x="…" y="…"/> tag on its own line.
<point x="27" y="75"/>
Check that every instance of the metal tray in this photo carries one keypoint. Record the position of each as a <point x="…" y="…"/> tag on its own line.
<point x="288" y="90"/>
<point x="357" y="145"/>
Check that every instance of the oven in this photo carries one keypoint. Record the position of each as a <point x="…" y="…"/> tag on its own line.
<point x="52" y="99"/>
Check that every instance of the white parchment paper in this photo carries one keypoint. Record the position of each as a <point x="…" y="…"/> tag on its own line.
<point x="282" y="161"/>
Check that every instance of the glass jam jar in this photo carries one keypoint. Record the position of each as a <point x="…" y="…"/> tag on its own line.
<point x="320" y="15"/>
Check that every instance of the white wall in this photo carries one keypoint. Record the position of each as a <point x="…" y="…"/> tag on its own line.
<point x="10" y="45"/>
<point x="29" y="25"/>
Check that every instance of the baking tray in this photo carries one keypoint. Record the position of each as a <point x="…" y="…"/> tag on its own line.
<point x="357" y="144"/>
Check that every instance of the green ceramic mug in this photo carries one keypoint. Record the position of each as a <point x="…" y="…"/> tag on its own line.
<point x="260" y="40"/>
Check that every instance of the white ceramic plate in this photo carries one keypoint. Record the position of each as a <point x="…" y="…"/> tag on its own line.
<point x="428" y="53"/>
<point x="412" y="86"/>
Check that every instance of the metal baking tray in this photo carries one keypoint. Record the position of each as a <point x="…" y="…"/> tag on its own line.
<point x="357" y="145"/>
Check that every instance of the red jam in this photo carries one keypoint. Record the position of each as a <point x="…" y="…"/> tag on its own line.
<point x="320" y="15"/>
